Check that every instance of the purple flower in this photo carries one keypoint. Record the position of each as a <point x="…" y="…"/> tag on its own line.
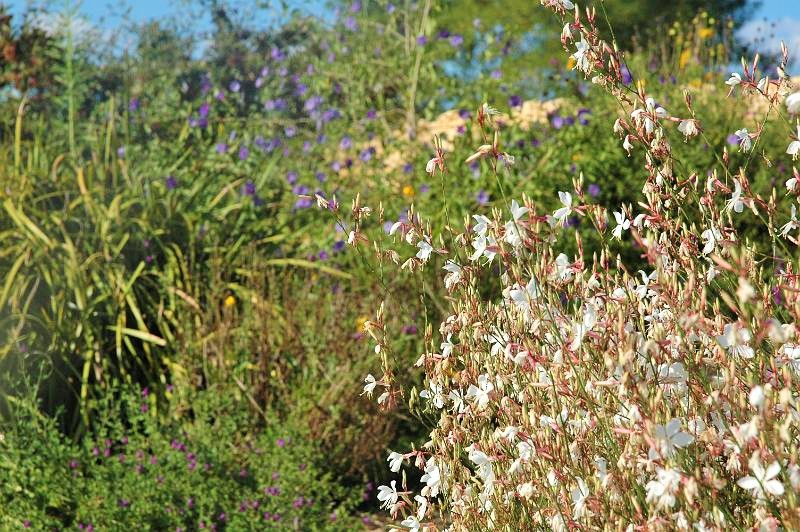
<point x="346" y="143"/>
<point x="497" y="74"/>
<point x="323" y="255"/>
<point x="372" y="114"/>
<point x="320" y="176"/>
<point x="73" y="464"/>
<point x="244" y="153"/>
<point x="627" y="78"/>
<point x="220" y="95"/>
<point x="312" y="103"/>
<point x="222" y="147"/>
<point x="482" y="197"/>
<point x="281" y="442"/>
<point x="351" y="24"/>
<point x="424" y="188"/>
<point x="557" y="121"/>
<point x="594" y="190"/>
<point x="514" y="101"/>
<point x="410" y="329"/>
<point x="583" y="116"/>
<point x="235" y="86"/>
<point x="121" y="152"/>
<point x="733" y="140"/>
<point x="422" y="40"/>
<point x="249" y="188"/>
<point x="408" y="168"/>
<point x="390" y="8"/>
<point x="338" y="246"/>
<point x="203" y="111"/>
<point x="124" y="503"/>
<point x="291" y="177"/>
<point x="133" y="105"/>
<point x="464" y="114"/>
<point x="277" y="54"/>
<point x="456" y="40"/>
<point x="443" y="34"/>
<point x="367" y="153"/>
<point x="355" y="7"/>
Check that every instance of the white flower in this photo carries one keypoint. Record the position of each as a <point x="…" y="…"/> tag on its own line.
<point x="388" y="496"/>
<point x="791" y="184"/>
<point x="516" y="211"/>
<point x="481" y="224"/>
<point x="662" y="490"/>
<point x="434" y="393"/>
<point x="763" y="480"/>
<point x="627" y="144"/>
<point x="566" y="32"/>
<point x="524" y="297"/>
<point x="794" y="146"/>
<point x="369" y="387"/>
<point x="669" y="438"/>
<point x="431" y="478"/>
<point x="793" y="103"/>
<point x="579" y="496"/>
<point x="424" y="252"/>
<point x="734" y="80"/>
<point x="735" y="340"/>
<point x="623" y="224"/>
<point x="567" y="5"/>
<point x="745" y="142"/>
<point x="432" y="164"/>
<point x="411" y="522"/>
<point x="563" y="268"/>
<point x="756" y="396"/>
<point x="446" y="347"/>
<point x="711" y="236"/>
<point x="422" y="507"/>
<point x="792" y="224"/>
<point x="484" y="463"/>
<point x="560" y="216"/>
<point x="581" y="56"/>
<point x="736" y="203"/>
<point x="480" y="393"/>
<point x="689" y="128"/>
<point x="395" y="461"/>
<point x="579" y="329"/>
<point x="454" y="274"/>
<point x="457" y="398"/>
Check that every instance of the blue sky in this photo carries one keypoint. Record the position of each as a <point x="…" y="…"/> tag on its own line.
<point x="775" y="20"/>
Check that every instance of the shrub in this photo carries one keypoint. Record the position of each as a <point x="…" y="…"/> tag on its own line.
<point x="209" y="467"/>
<point x="583" y="393"/>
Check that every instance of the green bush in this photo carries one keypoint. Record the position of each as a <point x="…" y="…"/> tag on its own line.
<point x="202" y="463"/>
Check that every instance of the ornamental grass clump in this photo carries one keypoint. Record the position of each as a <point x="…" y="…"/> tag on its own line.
<point x="581" y="392"/>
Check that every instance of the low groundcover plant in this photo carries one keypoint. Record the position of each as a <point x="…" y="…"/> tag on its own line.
<point x="584" y="395"/>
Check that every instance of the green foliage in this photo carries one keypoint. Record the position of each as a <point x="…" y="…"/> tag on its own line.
<point x="204" y="461"/>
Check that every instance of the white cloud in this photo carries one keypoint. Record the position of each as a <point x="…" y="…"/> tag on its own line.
<point x="766" y="36"/>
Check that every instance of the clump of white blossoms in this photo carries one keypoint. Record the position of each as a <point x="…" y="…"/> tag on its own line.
<point x="584" y="393"/>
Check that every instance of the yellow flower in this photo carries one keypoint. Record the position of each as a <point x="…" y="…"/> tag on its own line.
<point x="230" y="301"/>
<point x="706" y="33"/>
<point x="360" y="321"/>
<point x="576" y="157"/>
<point x="571" y="63"/>
<point x="408" y="191"/>
<point x="683" y="60"/>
